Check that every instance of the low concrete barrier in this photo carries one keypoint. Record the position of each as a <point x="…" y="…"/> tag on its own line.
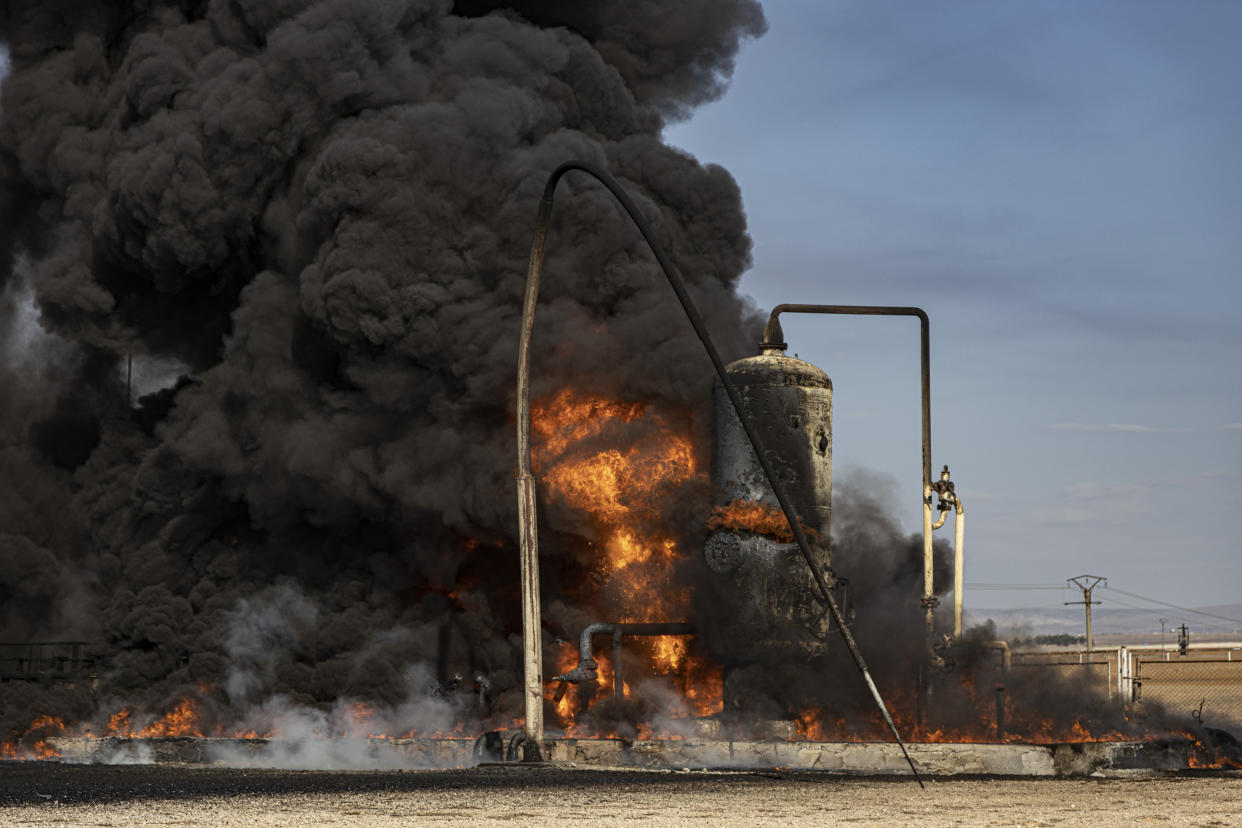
<point x="938" y="759"/>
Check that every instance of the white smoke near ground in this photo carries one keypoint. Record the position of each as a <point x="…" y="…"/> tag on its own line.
<point x="268" y="634"/>
<point x="262" y="629"/>
<point x="131" y="753"/>
<point x="670" y="715"/>
<point x="349" y="734"/>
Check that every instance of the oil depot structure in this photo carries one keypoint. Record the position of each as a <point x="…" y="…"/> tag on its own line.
<point x="772" y="448"/>
<point x="781" y="602"/>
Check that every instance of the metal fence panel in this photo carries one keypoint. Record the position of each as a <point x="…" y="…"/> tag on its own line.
<point x="1209" y="687"/>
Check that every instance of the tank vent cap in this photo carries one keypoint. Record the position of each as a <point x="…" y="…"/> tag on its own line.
<point x="773" y="337"/>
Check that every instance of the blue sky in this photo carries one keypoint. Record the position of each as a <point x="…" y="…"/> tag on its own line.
<point x="1060" y="186"/>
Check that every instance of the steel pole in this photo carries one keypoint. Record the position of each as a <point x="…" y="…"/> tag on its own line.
<point x="1087" y="583"/>
<point x="1090" y="641"/>
<point x="959" y="563"/>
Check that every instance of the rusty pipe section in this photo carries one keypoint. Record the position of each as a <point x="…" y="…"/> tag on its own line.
<point x="773" y="336"/>
<point x="1003" y="648"/>
<point x="587" y="669"/>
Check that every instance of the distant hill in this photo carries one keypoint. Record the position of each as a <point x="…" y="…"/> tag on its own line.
<point x="1105" y="621"/>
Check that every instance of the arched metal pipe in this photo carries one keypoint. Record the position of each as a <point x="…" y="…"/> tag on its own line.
<point x="531" y="621"/>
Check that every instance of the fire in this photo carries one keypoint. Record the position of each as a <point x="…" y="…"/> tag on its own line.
<point x="118" y="723"/>
<point x="702" y="685"/>
<point x="669" y="652"/>
<point x="361" y="715"/>
<point x="619" y="465"/>
<point x="182" y="720"/>
<point x="975" y="711"/>
<point x="622" y="491"/>
<point x="752" y="516"/>
<point x="32" y="742"/>
<point x="1205" y="757"/>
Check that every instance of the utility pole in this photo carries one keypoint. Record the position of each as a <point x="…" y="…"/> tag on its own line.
<point x="1086" y="583"/>
<point x="1163" y="621"/>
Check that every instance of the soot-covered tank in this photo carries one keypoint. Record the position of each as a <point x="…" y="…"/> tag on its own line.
<point x="767" y="608"/>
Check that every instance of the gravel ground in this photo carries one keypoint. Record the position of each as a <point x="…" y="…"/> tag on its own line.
<point x="41" y="793"/>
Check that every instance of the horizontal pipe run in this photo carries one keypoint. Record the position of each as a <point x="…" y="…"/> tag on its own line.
<point x="587" y="669"/>
<point x="629" y="631"/>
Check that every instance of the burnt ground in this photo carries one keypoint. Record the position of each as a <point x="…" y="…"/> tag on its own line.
<point x="37" y="793"/>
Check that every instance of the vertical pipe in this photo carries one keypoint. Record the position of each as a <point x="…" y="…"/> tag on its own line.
<point x="1125" y="675"/>
<point x="1000" y="712"/>
<point x="959" y="563"/>
<point x="532" y="622"/>
<point x="618" y="681"/>
<point x="532" y="626"/>
<point x="1120" y="653"/>
<point x="929" y="586"/>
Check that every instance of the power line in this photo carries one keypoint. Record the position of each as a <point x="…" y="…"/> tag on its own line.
<point x="1023" y="587"/>
<point x="1015" y="586"/>
<point x="1176" y="607"/>
<point x="1121" y="603"/>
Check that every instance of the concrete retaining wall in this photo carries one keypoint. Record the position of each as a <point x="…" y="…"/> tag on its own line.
<point x="1074" y="759"/>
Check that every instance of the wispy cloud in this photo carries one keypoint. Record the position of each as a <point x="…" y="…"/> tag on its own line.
<point x="1091" y="502"/>
<point x="1231" y="427"/>
<point x="1127" y="427"/>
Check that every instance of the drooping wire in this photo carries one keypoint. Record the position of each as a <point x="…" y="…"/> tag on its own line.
<point x="1175" y="606"/>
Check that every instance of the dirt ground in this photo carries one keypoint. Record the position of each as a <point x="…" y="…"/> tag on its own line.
<point x="37" y="793"/>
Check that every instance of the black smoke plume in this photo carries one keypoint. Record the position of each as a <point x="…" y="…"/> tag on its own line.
<point x="319" y="212"/>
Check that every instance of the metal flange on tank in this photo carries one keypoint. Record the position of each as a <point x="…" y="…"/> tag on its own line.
<point x="769" y="610"/>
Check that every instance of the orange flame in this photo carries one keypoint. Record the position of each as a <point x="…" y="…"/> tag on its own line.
<point x="32" y="743"/>
<point x="755" y="516"/>
<point x="622" y="491"/>
<point x="619" y="465"/>
<point x="182" y="720"/>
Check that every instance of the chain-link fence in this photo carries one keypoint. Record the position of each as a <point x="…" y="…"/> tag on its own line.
<point x="1204" y="682"/>
<point x="1205" y="685"/>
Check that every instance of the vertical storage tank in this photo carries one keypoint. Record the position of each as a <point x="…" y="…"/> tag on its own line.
<point x="768" y="608"/>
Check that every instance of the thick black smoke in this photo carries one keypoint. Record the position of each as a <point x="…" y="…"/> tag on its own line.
<point x="322" y="209"/>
